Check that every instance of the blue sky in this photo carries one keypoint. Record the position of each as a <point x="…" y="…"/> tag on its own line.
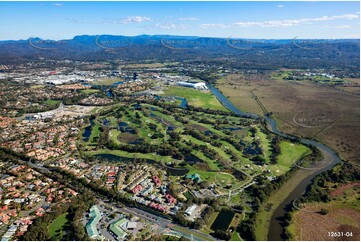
<point x="268" y="20"/>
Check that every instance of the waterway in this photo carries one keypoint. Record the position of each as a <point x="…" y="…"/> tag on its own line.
<point x="184" y="102"/>
<point x="88" y="131"/>
<point x="276" y="227"/>
<point x="229" y="105"/>
<point x="117" y="158"/>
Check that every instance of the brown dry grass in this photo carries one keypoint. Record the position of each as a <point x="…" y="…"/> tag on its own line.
<point x="330" y="115"/>
<point x="202" y="166"/>
<point x="316" y="227"/>
<point x="198" y="127"/>
<point x="127" y="137"/>
<point x="339" y="191"/>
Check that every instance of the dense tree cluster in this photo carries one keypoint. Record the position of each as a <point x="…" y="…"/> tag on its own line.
<point x="198" y="135"/>
<point x="260" y="192"/>
<point x="342" y="173"/>
<point x="74" y="230"/>
<point x="275" y="148"/>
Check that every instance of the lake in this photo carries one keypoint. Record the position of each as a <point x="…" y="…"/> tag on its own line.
<point x="111" y="157"/>
<point x="88" y="131"/>
<point x="223" y="220"/>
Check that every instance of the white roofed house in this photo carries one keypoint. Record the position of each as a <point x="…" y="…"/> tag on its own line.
<point x="189" y="211"/>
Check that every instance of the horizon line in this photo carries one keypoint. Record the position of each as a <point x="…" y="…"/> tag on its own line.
<point x="213" y="37"/>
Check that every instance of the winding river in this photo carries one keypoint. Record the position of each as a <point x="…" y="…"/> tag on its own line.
<point x="330" y="159"/>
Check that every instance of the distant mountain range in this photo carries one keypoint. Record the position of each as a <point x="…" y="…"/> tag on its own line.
<point x="250" y="52"/>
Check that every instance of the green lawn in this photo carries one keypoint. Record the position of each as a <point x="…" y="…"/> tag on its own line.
<point x="221" y="178"/>
<point x="225" y="179"/>
<point x="56" y="228"/>
<point x="290" y="153"/>
<point x="264" y="144"/>
<point x="196" y="98"/>
<point x="213" y="165"/>
<point x="51" y="102"/>
<point x="113" y="135"/>
<point x="205" y="175"/>
<point x="235" y="236"/>
<point x="89" y="91"/>
<point x="207" y="228"/>
<point x="95" y="132"/>
<point x="37" y="86"/>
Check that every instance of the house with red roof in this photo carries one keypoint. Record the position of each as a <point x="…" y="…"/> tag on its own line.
<point x="137" y="189"/>
<point x="156" y="181"/>
<point x="5" y="218"/>
<point x="170" y="199"/>
<point x="39" y="212"/>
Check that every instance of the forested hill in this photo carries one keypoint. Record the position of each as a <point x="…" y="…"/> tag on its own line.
<point x="249" y="53"/>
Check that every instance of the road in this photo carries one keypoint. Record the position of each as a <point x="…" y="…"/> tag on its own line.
<point x="163" y="223"/>
<point x="61" y="107"/>
<point x="27" y="212"/>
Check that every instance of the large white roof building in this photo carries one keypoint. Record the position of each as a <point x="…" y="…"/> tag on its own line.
<point x="196" y="85"/>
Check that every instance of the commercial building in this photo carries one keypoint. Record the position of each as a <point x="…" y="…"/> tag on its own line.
<point x="190" y="210"/>
<point x="91" y="226"/>
<point x="195" y="85"/>
<point x="118" y="228"/>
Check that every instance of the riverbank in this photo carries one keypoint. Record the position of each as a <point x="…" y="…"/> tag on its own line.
<point x="319" y="112"/>
<point x="268" y="226"/>
<point x="264" y="216"/>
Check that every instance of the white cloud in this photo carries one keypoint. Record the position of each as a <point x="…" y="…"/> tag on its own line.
<point x="342" y="26"/>
<point x="134" y="19"/>
<point x="206" y="26"/>
<point x="127" y="20"/>
<point x="334" y="26"/>
<point x="188" y="19"/>
<point x="170" y="26"/>
<point x="58" y="4"/>
<point x="284" y="23"/>
<point x="280" y="6"/>
<point x="293" y="22"/>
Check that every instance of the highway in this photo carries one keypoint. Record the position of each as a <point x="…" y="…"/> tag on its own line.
<point x="163" y="223"/>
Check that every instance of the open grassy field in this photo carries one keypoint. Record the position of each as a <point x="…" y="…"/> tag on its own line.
<point x="202" y="135"/>
<point x="343" y="216"/>
<point x="353" y="87"/>
<point x="37" y="86"/>
<point x="56" y="229"/>
<point x="235" y="236"/>
<point x="207" y="228"/>
<point x="95" y="133"/>
<point x="196" y="98"/>
<point x="224" y="180"/>
<point x="89" y="91"/>
<point x="113" y="135"/>
<point x="303" y="109"/>
<point x="51" y="102"/>
<point x="264" y="144"/>
<point x="290" y="153"/>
